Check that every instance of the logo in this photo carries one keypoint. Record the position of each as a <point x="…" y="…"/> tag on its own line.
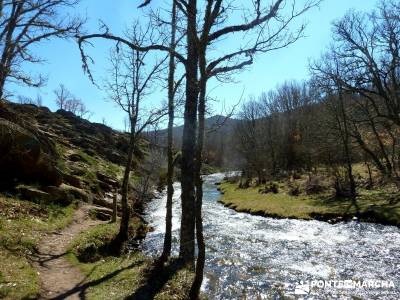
<point x="305" y="287"/>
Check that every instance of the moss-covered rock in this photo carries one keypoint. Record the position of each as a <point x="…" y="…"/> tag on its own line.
<point x="23" y="157"/>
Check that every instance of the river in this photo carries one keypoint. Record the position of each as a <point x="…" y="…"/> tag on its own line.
<point x="253" y="257"/>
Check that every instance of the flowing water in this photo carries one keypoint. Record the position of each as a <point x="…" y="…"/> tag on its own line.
<point x="252" y="257"/>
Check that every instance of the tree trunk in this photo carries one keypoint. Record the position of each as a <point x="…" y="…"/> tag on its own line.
<point x="170" y="173"/>
<point x="375" y="158"/>
<point x="123" y="236"/>
<point x="115" y="206"/>
<point x="345" y="138"/>
<point x="381" y="147"/>
<point x="2" y="83"/>
<point x="186" y="252"/>
<point x="201" y="256"/>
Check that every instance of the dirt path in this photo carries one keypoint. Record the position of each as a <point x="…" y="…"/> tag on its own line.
<point x="56" y="274"/>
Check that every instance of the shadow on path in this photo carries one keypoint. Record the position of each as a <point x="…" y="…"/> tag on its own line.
<point x="155" y="278"/>
<point x="81" y="288"/>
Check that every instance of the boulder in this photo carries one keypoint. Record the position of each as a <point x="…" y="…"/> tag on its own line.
<point x="75" y="157"/>
<point x="113" y="156"/>
<point x="89" y="152"/>
<point x="107" y="180"/>
<point x="105" y="186"/>
<point x="59" y="195"/>
<point x="72" y="180"/>
<point x="101" y="213"/>
<point x="25" y="156"/>
<point x="77" y="193"/>
<point x="77" y="170"/>
<point x="104" y="202"/>
<point x="33" y="194"/>
<point x="107" y="200"/>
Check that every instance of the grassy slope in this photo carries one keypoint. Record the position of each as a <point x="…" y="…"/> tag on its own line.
<point x="23" y="223"/>
<point x="322" y="206"/>
<point x="119" y="277"/>
<point x="21" y="226"/>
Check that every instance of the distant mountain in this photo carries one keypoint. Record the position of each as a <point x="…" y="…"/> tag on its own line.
<point x="218" y="144"/>
<point x="215" y="124"/>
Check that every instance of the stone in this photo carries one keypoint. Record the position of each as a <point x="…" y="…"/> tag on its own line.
<point x="107" y="179"/>
<point x="105" y="202"/>
<point x="25" y="157"/>
<point x="33" y="194"/>
<point x="77" y="193"/>
<point x="59" y="195"/>
<point x="72" y="180"/>
<point x="75" y="157"/>
<point x="101" y="213"/>
<point x="77" y="170"/>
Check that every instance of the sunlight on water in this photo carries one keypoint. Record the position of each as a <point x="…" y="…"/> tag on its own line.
<point x="252" y="257"/>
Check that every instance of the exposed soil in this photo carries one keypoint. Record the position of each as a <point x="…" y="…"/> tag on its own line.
<point x="58" y="277"/>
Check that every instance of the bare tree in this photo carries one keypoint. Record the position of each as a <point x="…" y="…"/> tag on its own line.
<point x="367" y="48"/>
<point x="24" y="24"/>
<point x="82" y="111"/>
<point x="250" y="138"/>
<point x="65" y="100"/>
<point x="131" y="82"/>
<point x="216" y="26"/>
<point x="25" y="100"/>
<point x="39" y="100"/>
<point x="278" y="131"/>
<point x="170" y="155"/>
<point x="338" y="110"/>
<point x="62" y="96"/>
<point x="258" y="35"/>
<point x="365" y="61"/>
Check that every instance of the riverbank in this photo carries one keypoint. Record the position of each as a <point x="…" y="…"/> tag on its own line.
<point x="50" y="251"/>
<point x="374" y="206"/>
<point x="129" y="276"/>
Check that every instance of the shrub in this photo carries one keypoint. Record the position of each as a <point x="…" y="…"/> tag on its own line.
<point x="244" y="183"/>
<point x="314" y="186"/>
<point x="232" y="179"/>
<point x="271" y="187"/>
<point x="294" y="190"/>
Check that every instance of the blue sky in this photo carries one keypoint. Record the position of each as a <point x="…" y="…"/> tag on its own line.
<point x="64" y="65"/>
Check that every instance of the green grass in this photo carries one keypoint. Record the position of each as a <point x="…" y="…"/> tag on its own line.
<point x="373" y="204"/>
<point x="22" y="224"/>
<point x="113" y="277"/>
<point x="87" y="158"/>
<point x="98" y="164"/>
<point x="91" y="245"/>
<point x="18" y="280"/>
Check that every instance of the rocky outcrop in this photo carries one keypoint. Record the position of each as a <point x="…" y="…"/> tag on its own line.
<point x="72" y="180"/>
<point x="66" y="128"/>
<point x="107" y="183"/>
<point x="26" y="157"/>
<point x="93" y="137"/>
<point x="59" y="157"/>
<point x="61" y="195"/>
<point x="100" y="213"/>
<point x="33" y="194"/>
